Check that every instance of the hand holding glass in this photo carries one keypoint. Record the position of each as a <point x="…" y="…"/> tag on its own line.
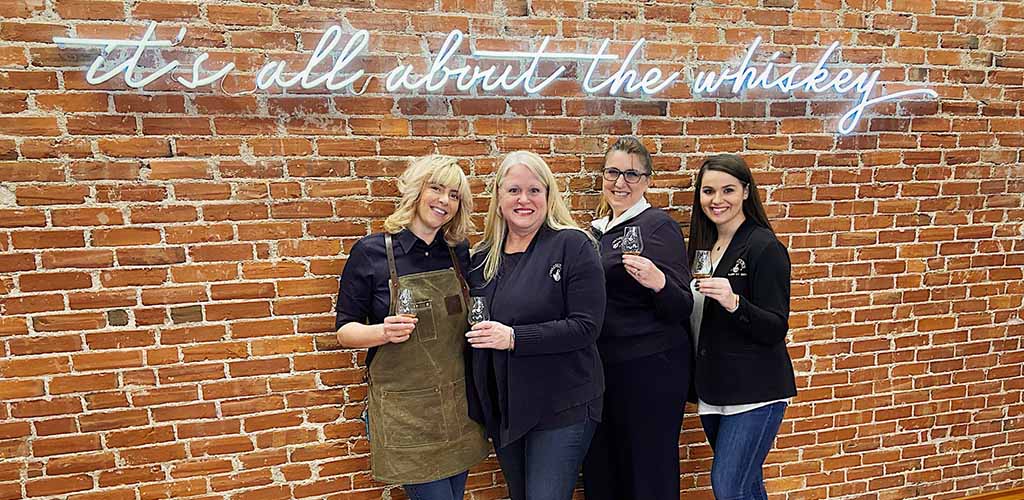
<point x="632" y="244"/>
<point x="702" y="264"/>
<point x="478" y="310"/>
<point x="405" y="306"/>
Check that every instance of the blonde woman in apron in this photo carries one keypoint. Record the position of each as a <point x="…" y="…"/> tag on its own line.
<point x="403" y="295"/>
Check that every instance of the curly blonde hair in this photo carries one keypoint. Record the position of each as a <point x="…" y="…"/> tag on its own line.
<point x="433" y="169"/>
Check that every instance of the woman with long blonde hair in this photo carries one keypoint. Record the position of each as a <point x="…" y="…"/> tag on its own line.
<point x="403" y="295"/>
<point x="537" y="379"/>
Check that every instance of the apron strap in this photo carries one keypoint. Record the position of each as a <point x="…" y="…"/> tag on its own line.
<point x="393" y="280"/>
<point x="462" y="278"/>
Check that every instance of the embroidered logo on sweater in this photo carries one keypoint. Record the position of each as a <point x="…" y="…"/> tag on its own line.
<point x="740" y="269"/>
<point x="556" y="272"/>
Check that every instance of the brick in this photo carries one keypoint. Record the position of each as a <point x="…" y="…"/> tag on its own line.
<point x="174" y="295"/>
<point x="20" y="389"/>
<point x="65" y="322"/>
<point x="106" y="360"/>
<point x="41" y="282"/>
<point x="125" y="236"/>
<point x="239" y="15"/>
<point x="58" y="486"/>
<point x="29" y="126"/>
<point x="126" y="475"/>
<point x="51" y="195"/>
<point x="65" y="445"/>
<point x="83" y="462"/>
<point x="160" y="11"/>
<point x="45" y="344"/>
<point x="82" y="383"/>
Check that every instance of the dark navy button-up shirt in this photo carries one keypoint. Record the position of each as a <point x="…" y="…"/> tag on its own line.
<point x="363" y="294"/>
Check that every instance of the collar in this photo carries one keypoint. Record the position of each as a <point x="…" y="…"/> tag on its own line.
<point x="604" y="224"/>
<point x="739" y="240"/>
<point x="408" y="240"/>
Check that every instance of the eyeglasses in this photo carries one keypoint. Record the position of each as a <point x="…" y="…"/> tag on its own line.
<point x="632" y="176"/>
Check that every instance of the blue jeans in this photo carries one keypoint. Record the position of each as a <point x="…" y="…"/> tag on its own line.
<point x="449" y="488"/>
<point x="741" y="443"/>
<point x="544" y="464"/>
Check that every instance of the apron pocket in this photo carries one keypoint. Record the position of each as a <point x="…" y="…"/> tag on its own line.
<point x="413" y="418"/>
<point x="425" y="327"/>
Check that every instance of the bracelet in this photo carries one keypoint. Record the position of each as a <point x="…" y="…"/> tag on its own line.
<point x="511" y="338"/>
<point x="736" y="295"/>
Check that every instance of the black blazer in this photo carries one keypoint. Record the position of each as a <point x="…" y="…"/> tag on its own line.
<point x="555" y="301"/>
<point x="741" y="356"/>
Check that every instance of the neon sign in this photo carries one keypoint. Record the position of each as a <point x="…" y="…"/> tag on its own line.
<point x="819" y="80"/>
<point x="443" y="68"/>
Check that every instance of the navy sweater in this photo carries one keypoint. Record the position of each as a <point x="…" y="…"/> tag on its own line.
<point x="637" y="321"/>
<point x="554" y="298"/>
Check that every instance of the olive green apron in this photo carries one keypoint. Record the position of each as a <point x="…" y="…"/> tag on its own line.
<point x="420" y="429"/>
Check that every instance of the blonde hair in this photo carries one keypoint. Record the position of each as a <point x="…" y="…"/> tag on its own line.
<point x="433" y="169"/>
<point x="495" y="227"/>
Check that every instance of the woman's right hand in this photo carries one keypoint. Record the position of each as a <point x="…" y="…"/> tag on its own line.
<point x="396" y="329"/>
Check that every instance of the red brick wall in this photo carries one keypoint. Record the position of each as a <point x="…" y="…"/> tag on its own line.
<point x="169" y="259"/>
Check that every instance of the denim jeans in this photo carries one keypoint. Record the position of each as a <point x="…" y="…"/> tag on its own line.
<point x="740" y="443"/>
<point x="449" y="488"/>
<point x="544" y="464"/>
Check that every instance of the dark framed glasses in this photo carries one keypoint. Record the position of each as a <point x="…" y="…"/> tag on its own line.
<point x="632" y="176"/>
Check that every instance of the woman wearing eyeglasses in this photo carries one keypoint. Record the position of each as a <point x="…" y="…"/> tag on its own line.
<point x="644" y="343"/>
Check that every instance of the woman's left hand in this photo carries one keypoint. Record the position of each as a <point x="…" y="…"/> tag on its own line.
<point x="721" y="290"/>
<point x="490" y="335"/>
<point x="644" y="272"/>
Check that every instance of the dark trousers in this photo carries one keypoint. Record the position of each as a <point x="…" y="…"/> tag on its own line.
<point x="449" y="488"/>
<point x="741" y="442"/>
<point x="635" y="452"/>
<point x="544" y="464"/>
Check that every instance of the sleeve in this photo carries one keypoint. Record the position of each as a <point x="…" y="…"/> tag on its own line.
<point x="667" y="250"/>
<point x="764" y="317"/>
<point x="355" y="288"/>
<point x="584" y="301"/>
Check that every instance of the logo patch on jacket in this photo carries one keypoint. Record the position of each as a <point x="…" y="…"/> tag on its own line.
<point x="740" y="269"/>
<point x="556" y="272"/>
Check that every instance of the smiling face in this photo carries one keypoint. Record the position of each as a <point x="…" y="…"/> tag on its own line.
<point x="620" y="194"/>
<point x="438" y="205"/>
<point x="721" y="198"/>
<point x="522" y="200"/>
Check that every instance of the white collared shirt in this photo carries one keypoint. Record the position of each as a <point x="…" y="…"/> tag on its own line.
<point x="604" y="224"/>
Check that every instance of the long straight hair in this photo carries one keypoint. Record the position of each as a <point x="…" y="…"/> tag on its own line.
<point x="495" y="227"/>
<point x="703" y="232"/>
<point x="629" y="145"/>
<point x="433" y="169"/>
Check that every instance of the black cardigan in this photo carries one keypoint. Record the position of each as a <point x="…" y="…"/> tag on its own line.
<point x="742" y="356"/>
<point x="637" y="321"/>
<point x="555" y="300"/>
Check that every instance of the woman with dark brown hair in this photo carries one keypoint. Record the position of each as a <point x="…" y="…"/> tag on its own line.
<point x="744" y="377"/>
<point x="644" y="346"/>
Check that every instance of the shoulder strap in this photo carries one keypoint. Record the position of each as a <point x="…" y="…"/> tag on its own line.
<point x="458" y="271"/>
<point x="393" y="280"/>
